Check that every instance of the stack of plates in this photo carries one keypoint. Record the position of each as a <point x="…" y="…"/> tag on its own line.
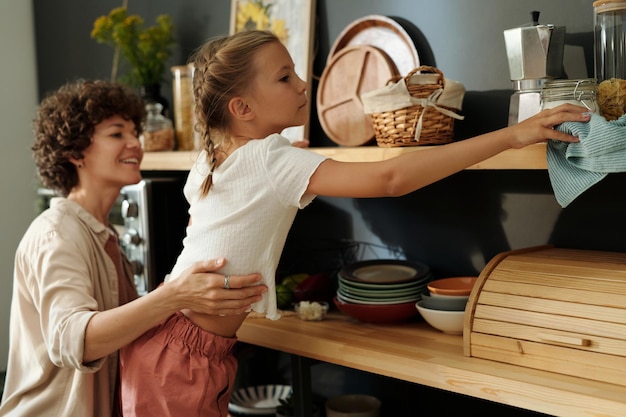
<point x="383" y="282"/>
<point x="381" y="291"/>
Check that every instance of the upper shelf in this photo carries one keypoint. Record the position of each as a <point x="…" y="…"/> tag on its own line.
<point x="530" y="157"/>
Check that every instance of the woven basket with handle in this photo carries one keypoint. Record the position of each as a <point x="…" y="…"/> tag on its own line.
<point x="398" y="127"/>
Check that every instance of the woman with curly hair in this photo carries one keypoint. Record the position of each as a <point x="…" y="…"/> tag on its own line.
<point x="74" y="303"/>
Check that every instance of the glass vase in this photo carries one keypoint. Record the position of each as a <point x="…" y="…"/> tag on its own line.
<point x="151" y="93"/>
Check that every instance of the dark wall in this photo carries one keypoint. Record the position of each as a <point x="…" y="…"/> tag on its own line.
<point x="65" y="49"/>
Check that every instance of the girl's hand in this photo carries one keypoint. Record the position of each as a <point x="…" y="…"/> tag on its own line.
<point x="540" y="127"/>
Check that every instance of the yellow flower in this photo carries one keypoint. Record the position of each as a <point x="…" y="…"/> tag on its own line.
<point x="252" y="15"/>
<point x="145" y="50"/>
<point x="255" y="14"/>
<point x="279" y="28"/>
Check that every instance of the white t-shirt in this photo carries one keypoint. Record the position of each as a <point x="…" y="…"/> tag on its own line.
<point x="248" y="211"/>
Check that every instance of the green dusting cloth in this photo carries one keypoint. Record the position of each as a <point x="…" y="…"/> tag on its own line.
<point x="575" y="167"/>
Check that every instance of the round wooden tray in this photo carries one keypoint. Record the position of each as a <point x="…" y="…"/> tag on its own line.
<point x="382" y="32"/>
<point x="352" y="71"/>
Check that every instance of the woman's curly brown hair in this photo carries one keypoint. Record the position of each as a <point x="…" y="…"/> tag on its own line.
<point x="65" y="124"/>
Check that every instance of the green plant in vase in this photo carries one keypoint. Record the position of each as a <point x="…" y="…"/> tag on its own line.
<point x="144" y="50"/>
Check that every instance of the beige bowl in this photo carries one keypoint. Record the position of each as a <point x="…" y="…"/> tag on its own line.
<point x="450" y="322"/>
<point x="353" y="405"/>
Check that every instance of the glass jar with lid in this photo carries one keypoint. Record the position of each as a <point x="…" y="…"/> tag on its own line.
<point x="609" y="18"/>
<point x="582" y="92"/>
<point x="158" y="133"/>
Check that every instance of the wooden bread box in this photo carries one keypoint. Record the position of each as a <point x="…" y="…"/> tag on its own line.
<point x="554" y="309"/>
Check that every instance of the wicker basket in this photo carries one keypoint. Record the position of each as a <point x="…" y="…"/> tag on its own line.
<point x="398" y="127"/>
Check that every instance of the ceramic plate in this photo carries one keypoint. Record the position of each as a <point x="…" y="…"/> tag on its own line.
<point x="417" y="283"/>
<point x="380" y="294"/>
<point x="398" y="300"/>
<point x="260" y="400"/>
<point x="381" y="271"/>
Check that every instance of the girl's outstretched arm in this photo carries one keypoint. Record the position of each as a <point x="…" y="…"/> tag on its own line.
<point x="411" y="171"/>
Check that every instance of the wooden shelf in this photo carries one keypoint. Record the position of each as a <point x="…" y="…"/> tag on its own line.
<point x="531" y="157"/>
<point x="415" y="352"/>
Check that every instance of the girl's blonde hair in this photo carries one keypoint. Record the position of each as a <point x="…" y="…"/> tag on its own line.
<point x="222" y="70"/>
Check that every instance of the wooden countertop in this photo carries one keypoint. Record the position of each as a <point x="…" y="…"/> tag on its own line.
<point x="415" y="352"/>
<point x="530" y="157"/>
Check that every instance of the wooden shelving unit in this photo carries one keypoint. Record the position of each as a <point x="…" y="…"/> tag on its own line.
<point x="415" y="352"/>
<point x="531" y="157"/>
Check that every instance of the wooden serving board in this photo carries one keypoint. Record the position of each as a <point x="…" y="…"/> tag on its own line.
<point x="352" y="72"/>
<point x="384" y="33"/>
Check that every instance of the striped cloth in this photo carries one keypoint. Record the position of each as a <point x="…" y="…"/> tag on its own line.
<point x="575" y="167"/>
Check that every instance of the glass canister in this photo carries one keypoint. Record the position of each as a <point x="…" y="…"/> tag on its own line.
<point x="582" y="92"/>
<point x="184" y="117"/>
<point x="158" y="133"/>
<point x="609" y="18"/>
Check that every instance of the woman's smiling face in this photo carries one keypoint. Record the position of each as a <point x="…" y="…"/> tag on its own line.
<point x="114" y="156"/>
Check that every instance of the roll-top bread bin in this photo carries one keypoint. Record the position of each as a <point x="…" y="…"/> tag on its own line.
<point x="554" y="309"/>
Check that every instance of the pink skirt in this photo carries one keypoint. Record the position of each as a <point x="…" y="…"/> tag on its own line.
<point x="177" y="369"/>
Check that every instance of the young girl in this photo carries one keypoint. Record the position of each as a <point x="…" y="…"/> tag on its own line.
<point x="244" y="192"/>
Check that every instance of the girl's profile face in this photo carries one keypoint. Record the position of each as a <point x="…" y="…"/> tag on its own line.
<point x="114" y="155"/>
<point x="278" y="95"/>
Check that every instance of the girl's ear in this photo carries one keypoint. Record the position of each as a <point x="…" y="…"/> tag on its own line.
<point x="238" y="107"/>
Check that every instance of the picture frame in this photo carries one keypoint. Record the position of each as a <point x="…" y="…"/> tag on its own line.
<point x="293" y="21"/>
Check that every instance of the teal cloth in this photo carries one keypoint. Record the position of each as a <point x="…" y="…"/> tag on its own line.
<point x="575" y="167"/>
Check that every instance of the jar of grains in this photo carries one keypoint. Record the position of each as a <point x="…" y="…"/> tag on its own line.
<point x="184" y="118"/>
<point x="581" y="92"/>
<point x="609" y="17"/>
<point x="158" y="133"/>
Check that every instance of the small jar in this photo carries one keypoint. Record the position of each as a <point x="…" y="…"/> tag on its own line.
<point x="184" y="118"/>
<point x="582" y="92"/>
<point x="609" y="17"/>
<point x="158" y="133"/>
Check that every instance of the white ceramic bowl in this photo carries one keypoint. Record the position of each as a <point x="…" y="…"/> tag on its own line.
<point x="450" y="322"/>
<point x="353" y="405"/>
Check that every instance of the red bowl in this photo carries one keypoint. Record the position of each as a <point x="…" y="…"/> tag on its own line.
<point x="377" y="313"/>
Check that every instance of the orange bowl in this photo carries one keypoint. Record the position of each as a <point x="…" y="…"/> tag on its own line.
<point x="452" y="286"/>
<point x="375" y="313"/>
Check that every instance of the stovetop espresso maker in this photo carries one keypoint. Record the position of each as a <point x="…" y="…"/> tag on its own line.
<point x="535" y="55"/>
